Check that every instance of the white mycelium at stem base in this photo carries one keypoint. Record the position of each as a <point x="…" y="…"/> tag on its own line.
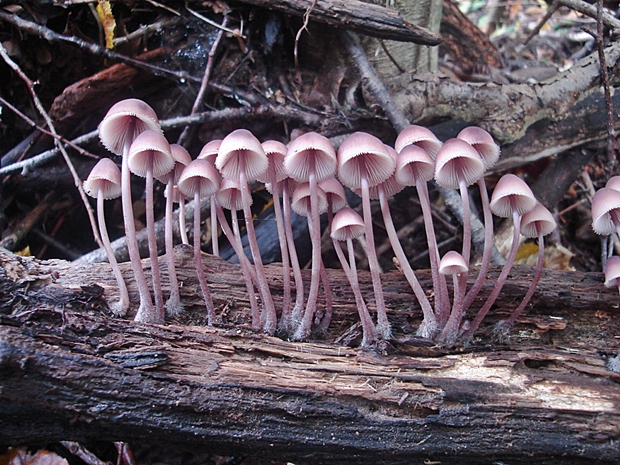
<point x="118" y="129"/>
<point x="364" y="162"/>
<point x="104" y="183"/>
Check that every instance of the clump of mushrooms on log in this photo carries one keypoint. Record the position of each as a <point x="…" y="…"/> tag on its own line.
<point x="370" y="169"/>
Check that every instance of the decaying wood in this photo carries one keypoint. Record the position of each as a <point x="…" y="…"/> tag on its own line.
<point x="69" y="372"/>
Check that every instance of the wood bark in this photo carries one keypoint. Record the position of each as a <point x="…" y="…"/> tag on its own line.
<point x="70" y="372"/>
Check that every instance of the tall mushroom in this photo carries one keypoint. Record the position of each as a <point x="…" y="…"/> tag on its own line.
<point x="104" y="183"/>
<point x="122" y="124"/>
<point x="311" y="158"/>
<point x="149" y="157"/>
<point x="364" y="162"/>
<point x="199" y="180"/>
<point x="241" y="157"/>
<point x="346" y="226"/>
<point x="512" y="197"/>
<point x="181" y="159"/>
<point x="536" y="223"/>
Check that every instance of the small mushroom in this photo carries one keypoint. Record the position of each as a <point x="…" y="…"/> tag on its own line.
<point x="149" y="157"/>
<point x="364" y="162"/>
<point x="612" y="272"/>
<point x="536" y="223"/>
<point x="104" y="183"/>
<point x="453" y="264"/>
<point x="121" y="125"/>
<point x="512" y="197"/>
<point x="346" y="226"/>
<point x="199" y="180"/>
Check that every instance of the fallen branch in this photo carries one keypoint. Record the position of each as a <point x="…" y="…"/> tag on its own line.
<point x="77" y="374"/>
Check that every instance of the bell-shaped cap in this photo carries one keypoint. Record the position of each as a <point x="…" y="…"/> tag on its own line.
<point x="605" y="211"/>
<point x="306" y="149"/>
<point x="452" y="263"/>
<point x="201" y="176"/>
<point x="419" y="136"/>
<point x="613" y="183"/>
<point x="150" y="144"/>
<point x="300" y="201"/>
<point x="181" y="158"/>
<point x="335" y="193"/>
<point x="391" y="186"/>
<point x="455" y="160"/>
<point x="276" y="152"/>
<point x="241" y="148"/>
<point x="362" y="151"/>
<point x="612" y="271"/>
<point x="104" y="179"/>
<point x="347" y="224"/>
<point x="484" y="144"/>
<point x="229" y="195"/>
<point x="210" y="150"/>
<point x="124" y="121"/>
<point x="414" y="164"/>
<point x="537" y="221"/>
<point x="511" y="194"/>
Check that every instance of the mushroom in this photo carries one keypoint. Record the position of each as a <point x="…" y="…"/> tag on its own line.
<point x="229" y="197"/>
<point x="512" y="197"/>
<point x="311" y="158"/>
<point x="606" y="211"/>
<point x="612" y="272"/>
<point x="241" y="157"/>
<point x="457" y="166"/>
<point x="209" y="152"/>
<point x="536" y="223"/>
<point x="276" y="151"/>
<point x="121" y="125"/>
<point x="104" y="183"/>
<point x="453" y="264"/>
<point x="382" y="191"/>
<point x="489" y="152"/>
<point x="415" y="167"/>
<point x="181" y="159"/>
<point x="364" y="162"/>
<point x="346" y="226"/>
<point x="198" y="180"/>
<point x="149" y="157"/>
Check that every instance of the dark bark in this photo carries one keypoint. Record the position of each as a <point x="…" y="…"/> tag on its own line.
<point x="68" y="372"/>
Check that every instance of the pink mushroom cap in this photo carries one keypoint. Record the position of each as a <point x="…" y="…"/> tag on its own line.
<point x="457" y="158"/>
<point x="605" y="211"/>
<point x="104" y="179"/>
<point x="511" y="193"/>
<point x="150" y="144"/>
<point x="124" y="121"/>
<point x="419" y="136"/>
<point x="347" y="224"/>
<point x="302" y="150"/>
<point x="241" y="144"/>
<point x="364" y="151"/>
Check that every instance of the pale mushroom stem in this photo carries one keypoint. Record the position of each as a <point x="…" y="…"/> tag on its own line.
<point x="245" y="265"/>
<point x="215" y="246"/>
<point x="145" y="312"/>
<point x="440" y="288"/>
<point x="507" y="323"/>
<point x="451" y="330"/>
<point x="173" y="306"/>
<point x="269" y="320"/>
<point x="429" y="324"/>
<point x="502" y="277"/>
<point x="286" y="274"/>
<point x="303" y="331"/>
<point x="119" y="308"/>
<point x="466" y="221"/>
<point x="383" y="325"/>
<point x="488" y="245"/>
<point x="200" y="272"/>
<point x="288" y="321"/>
<point x="182" y="223"/>
<point x="324" y="325"/>
<point x="152" y="241"/>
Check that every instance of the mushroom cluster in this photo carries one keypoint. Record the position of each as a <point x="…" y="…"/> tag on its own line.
<point x="308" y="176"/>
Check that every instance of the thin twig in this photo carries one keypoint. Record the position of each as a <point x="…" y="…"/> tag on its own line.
<point x="221" y="27"/>
<point x="590" y="10"/>
<point x="205" y="79"/>
<point x="550" y="10"/>
<point x="304" y="27"/>
<point x="51" y="36"/>
<point x="76" y="178"/>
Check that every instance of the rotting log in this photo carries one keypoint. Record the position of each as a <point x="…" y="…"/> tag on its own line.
<point x="70" y="372"/>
